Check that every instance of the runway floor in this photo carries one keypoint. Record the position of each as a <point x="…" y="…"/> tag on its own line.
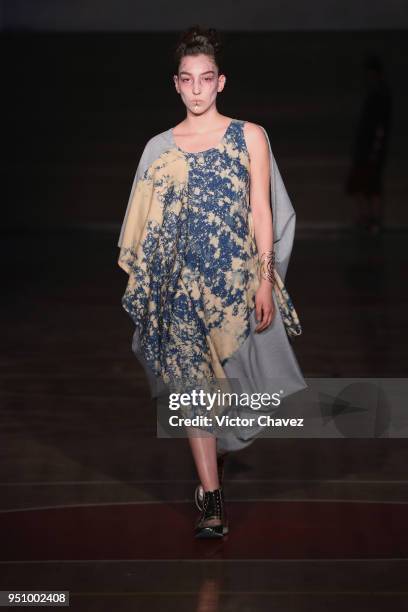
<point x="92" y="502"/>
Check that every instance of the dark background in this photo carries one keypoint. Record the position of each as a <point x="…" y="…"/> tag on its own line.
<point x="82" y="100"/>
<point x="91" y="499"/>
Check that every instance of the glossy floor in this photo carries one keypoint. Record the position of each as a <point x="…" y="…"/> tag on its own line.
<point x="94" y="503"/>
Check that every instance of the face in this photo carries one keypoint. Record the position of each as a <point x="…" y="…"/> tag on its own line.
<point x="198" y="82"/>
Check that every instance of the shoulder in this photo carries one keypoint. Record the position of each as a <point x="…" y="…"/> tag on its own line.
<point x="254" y="131"/>
<point x="154" y="147"/>
<point x="158" y="140"/>
<point x="256" y="137"/>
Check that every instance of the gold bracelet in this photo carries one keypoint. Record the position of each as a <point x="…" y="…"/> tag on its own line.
<point x="267" y="265"/>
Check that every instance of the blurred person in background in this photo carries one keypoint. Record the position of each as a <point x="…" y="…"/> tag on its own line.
<point x="365" y="178"/>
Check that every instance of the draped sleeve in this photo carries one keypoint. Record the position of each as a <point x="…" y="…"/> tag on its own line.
<point x="283" y="215"/>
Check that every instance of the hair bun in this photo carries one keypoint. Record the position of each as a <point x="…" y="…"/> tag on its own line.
<point x="198" y="40"/>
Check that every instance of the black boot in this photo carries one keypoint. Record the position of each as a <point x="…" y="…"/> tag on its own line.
<point x="213" y="508"/>
<point x="199" y="491"/>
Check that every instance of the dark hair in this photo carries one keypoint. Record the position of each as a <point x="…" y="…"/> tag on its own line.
<point x="198" y="40"/>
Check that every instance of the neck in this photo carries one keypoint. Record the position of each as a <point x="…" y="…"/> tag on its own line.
<point x="201" y="123"/>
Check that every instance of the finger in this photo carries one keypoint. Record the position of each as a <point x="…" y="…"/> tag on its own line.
<point x="259" y="327"/>
<point x="258" y="312"/>
<point x="266" y="323"/>
<point x="263" y="323"/>
<point x="266" y="314"/>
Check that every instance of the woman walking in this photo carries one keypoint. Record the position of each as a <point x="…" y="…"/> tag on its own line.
<point x="206" y="237"/>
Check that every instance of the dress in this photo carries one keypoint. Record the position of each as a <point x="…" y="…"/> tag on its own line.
<point x="188" y="245"/>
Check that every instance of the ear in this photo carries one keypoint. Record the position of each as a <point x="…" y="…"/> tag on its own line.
<point x="175" y="79"/>
<point x="221" y="82"/>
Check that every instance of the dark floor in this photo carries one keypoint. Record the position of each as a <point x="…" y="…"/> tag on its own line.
<point x="94" y="503"/>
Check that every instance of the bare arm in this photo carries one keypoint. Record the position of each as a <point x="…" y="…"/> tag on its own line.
<point x="261" y="212"/>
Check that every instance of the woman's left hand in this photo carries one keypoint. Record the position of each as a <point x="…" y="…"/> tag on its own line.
<point x="264" y="306"/>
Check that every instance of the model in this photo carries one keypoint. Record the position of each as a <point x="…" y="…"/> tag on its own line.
<point x="206" y="239"/>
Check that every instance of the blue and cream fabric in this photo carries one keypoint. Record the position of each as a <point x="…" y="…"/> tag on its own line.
<point x="188" y="245"/>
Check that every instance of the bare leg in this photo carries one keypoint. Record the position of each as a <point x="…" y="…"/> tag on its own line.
<point x="204" y="451"/>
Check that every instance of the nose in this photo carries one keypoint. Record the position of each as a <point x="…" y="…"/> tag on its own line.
<point x="196" y="87"/>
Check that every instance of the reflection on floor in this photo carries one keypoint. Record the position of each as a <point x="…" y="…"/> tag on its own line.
<point x="92" y="502"/>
